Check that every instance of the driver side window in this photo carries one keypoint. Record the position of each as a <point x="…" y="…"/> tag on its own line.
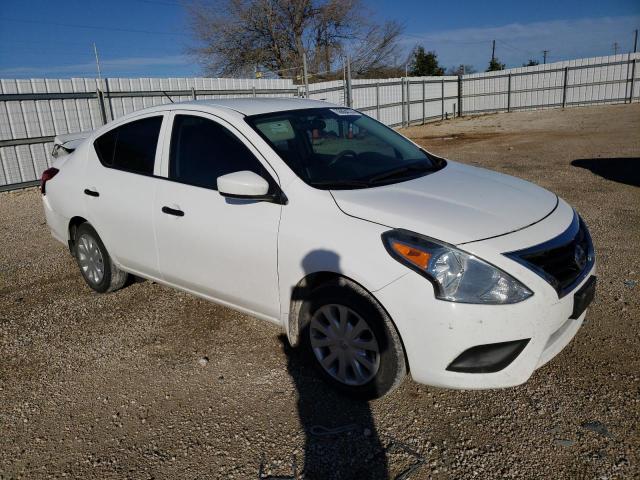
<point x="203" y="150"/>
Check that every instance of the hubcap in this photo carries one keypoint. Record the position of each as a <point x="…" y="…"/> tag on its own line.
<point x="344" y="344"/>
<point x="90" y="259"/>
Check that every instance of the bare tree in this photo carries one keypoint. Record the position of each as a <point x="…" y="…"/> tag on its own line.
<point x="377" y="48"/>
<point x="234" y="37"/>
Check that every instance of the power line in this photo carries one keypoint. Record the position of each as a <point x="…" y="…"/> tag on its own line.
<point x="44" y="43"/>
<point x="59" y="49"/>
<point x="79" y="53"/>
<point x="518" y="49"/>
<point x="90" y="27"/>
<point x="167" y="3"/>
<point x="157" y="2"/>
<point x="444" y="40"/>
<point x="87" y="74"/>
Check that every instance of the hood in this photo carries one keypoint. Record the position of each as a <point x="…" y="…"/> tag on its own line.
<point x="458" y="204"/>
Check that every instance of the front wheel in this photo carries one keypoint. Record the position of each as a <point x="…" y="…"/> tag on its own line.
<point x="352" y="341"/>
<point x="95" y="263"/>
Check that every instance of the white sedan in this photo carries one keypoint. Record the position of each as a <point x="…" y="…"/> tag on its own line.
<point x="375" y="256"/>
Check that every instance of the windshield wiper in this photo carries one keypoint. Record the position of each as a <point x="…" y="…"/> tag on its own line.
<point x="341" y="184"/>
<point x="400" y="171"/>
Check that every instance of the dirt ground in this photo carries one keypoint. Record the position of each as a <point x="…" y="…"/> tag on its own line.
<point x="149" y="382"/>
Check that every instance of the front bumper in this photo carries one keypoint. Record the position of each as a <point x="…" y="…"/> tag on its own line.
<point x="436" y="332"/>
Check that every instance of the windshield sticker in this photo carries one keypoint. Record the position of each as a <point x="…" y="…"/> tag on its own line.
<point x="277" y="131"/>
<point x="346" y="112"/>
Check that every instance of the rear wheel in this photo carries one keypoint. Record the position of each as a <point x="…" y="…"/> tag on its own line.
<point x="352" y="341"/>
<point x="96" y="266"/>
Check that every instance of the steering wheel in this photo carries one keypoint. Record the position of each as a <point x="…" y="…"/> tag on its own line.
<point x="341" y="155"/>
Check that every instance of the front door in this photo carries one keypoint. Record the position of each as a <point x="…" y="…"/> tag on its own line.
<point x="222" y="248"/>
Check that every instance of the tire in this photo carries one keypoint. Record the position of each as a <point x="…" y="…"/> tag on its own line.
<point x="380" y="372"/>
<point x="95" y="263"/>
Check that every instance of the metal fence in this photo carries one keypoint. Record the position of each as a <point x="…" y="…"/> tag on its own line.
<point x="395" y="101"/>
<point x="414" y="100"/>
<point x="587" y="81"/>
<point x="33" y="111"/>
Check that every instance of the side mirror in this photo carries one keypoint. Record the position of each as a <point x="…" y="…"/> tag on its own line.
<point x="245" y="185"/>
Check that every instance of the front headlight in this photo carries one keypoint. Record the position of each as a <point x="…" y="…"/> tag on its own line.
<point x="456" y="275"/>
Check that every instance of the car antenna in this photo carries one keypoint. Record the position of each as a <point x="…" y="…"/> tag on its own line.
<point x="166" y="95"/>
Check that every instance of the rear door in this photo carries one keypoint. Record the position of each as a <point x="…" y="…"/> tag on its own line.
<point x="120" y="188"/>
<point x="221" y="248"/>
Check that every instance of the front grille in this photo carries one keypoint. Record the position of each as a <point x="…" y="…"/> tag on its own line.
<point x="562" y="261"/>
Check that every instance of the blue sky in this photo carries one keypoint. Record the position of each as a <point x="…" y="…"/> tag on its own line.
<point x="44" y="38"/>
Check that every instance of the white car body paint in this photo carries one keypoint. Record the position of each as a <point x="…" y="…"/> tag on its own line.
<point x="483" y="203"/>
<point x="251" y="255"/>
<point x="243" y="182"/>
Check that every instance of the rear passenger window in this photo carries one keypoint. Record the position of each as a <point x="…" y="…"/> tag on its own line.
<point x="130" y="147"/>
<point x="202" y="150"/>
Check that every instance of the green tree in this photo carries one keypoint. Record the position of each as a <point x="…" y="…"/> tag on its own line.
<point x="531" y="63"/>
<point x="495" y="65"/>
<point x="423" y="63"/>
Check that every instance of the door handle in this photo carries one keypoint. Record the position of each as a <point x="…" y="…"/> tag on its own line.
<point x="173" y="211"/>
<point x="91" y="193"/>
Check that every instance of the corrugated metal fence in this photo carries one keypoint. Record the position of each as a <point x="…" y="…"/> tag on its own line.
<point x="404" y="101"/>
<point x="394" y="101"/>
<point x="586" y="81"/>
<point x="33" y="111"/>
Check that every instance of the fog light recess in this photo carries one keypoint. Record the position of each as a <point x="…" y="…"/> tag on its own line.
<point x="489" y="358"/>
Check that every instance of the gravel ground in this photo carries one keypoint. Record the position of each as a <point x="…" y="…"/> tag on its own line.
<point x="149" y="382"/>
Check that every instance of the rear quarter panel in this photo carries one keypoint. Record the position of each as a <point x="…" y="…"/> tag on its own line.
<point x="64" y="200"/>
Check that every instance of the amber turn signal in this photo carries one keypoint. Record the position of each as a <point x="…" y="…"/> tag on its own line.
<point x="413" y="255"/>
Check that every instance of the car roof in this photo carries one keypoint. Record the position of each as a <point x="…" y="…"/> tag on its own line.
<point x="257" y="106"/>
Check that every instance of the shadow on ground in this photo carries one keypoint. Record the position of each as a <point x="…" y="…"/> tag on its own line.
<point x="340" y="436"/>
<point x="621" y="170"/>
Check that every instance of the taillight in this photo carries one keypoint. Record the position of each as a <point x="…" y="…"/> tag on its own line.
<point x="47" y="175"/>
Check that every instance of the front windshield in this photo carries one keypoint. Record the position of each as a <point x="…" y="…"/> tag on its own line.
<point x="340" y="148"/>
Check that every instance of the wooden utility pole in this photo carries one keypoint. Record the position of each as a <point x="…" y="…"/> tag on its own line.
<point x="615" y="48"/>
<point x="493" y="51"/>
<point x="306" y="76"/>
<point x="635" y="41"/>
<point x="95" y="51"/>
<point x="99" y="92"/>
<point x="544" y="56"/>
<point x="348" y="81"/>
